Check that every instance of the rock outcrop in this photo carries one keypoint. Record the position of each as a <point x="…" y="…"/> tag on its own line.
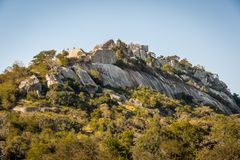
<point x="104" y="56"/>
<point x="139" y="51"/>
<point x="31" y="84"/>
<point x="75" y="73"/>
<point x="26" y="109"/>
<point x="29" y="109"/>
<point x="146" y="70"/>
<point x="116" y="77"/>
<point x="67" y="73"/>
<point x="75" y="53"/>
<point x="53" y="79"/>
<point x="86" y="80"/>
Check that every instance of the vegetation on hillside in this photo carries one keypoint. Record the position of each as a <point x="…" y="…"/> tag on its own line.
<point x="146" y="126"/>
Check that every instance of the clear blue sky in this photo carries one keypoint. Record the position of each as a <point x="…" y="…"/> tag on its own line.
<point x="206" y="32"/>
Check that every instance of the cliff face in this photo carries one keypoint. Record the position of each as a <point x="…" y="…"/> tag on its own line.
<point x="116" y="77"/>
<point x="120" y="65"/>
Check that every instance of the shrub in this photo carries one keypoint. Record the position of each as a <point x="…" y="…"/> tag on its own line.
<point x="147" y="146"/>
<point x="120" y="63"/>
<point x="119" y="54"/>
<point x="149" y="60"/>
<point x="153" y="99"/>
<point x="8" y="95"/>
<point x="115" y="148"/>
<point x="188" y="99"/>
<point x="63" y="98"/>
<point x="166" y="68"/>
<point x="63" y="59"/>
<point x="32" y="96"/>
<point x="97" y="77"/>
<point x="17" y="147"/>
<point x="184" y="62"/>
<point x="224" y="151"/>
<point x="9" y="81"/>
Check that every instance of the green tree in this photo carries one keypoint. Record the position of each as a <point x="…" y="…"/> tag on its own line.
<point x="42" y="62"/>
<point x="63" y="59"/>
<point x="115" y="148"/>
<point x="17" y="147"/>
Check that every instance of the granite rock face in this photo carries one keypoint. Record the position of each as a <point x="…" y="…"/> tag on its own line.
<point x="75" y="53"/>
<point x="86" y="80"/>
<point x="182" y="78"/>
<point x="75" y="73"/>
<point x="104" y="56"/>
<point x="210" y="80"/>
<point x="139" y="51"/>
<point x="116" y="77"/>
<point x="53" y="79"/>
<point x="31" y="84"/>
<point x="68" y="73"/>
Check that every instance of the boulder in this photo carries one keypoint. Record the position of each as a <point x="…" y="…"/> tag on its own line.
<point x="211" y="80"/>
<point x="31" y="84"/>
<point x="105" y="46"/>
<point x="139" y="51"/>
<point x="75" y="53"/>
<point x="142" y="54"/>
<point x="185" y="78"/>
<point x="144" y="47"/>
<point x="226" y="99"/>
<point x="85" y="79"/>
<point x="103" y="56"/>
<point x="53" y="79"/>
<point x="135" y="102"/>
<point x="108" y="45"/>
<point x="117" y="97"/>
<point x="68" y="73"/>
<point x="26" y="109"/>
<point x="50" y="109"/>
<point x="58" y="74"/>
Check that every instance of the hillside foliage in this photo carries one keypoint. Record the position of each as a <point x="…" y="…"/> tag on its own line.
<point x="79" y="125"/>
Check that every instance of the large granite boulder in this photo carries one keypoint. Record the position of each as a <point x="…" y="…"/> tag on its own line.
<point x="31" y="84"/>
<point x="29" y="109"/>
<point x="68" y="73"/>
<point x="86" y="80"/>
<point x="135" y="102"/>
<point x="76" y="73"/>
<point x="113" y="75"/>
<point x="108" y="45"/>
<point x="118" y="97"/>
<point x="75" y="53"/>
<point x="26" y="109"/>
<point x="53" y="79"/>
<point x="104" y="56"/>
<point x="140" y="51"/>
<point x="105" y="46"/>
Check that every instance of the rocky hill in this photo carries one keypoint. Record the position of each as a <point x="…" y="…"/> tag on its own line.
<point x="118" y="101"/>
<point x="121" y="65"/>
